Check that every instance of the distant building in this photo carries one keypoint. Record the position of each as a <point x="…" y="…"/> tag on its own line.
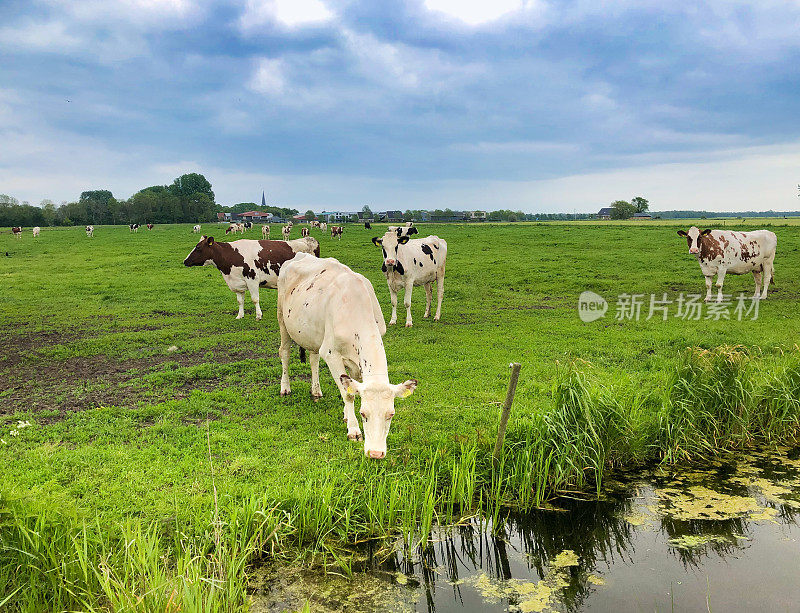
<point x="451" y="216"/>
<point x="605" y="212"/>
<point x="223" y="216"/>
<point x="391" y="216"/>
<point x="642" y="216"/>
<point x="475" y="215"/>
<point x="362" y="216"/>
<point x="336" y="216"/>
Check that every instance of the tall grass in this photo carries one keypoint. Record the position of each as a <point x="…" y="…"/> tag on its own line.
<point x="715" y="400"/>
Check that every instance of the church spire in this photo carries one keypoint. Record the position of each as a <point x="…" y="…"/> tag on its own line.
<point x="263" y="199"/>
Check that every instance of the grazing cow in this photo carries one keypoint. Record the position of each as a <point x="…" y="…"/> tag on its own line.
<point x="16" y="231"/>
<point x="150" y="226"/>
<point x="409" y="262"/>
<point x="89" y="230"/>
<point x="248" y="225"/>
<point x="337" y="231"/>
<point x="367" y="225"/>
<point x="265" y="231"/>
<point x="235" y="227"/>
<point x="304" y="232"/>
<point x="286" y="231"/>
<point x="246" y="264"/>
<point x="323" y="226"/>
<point x="724" y="251"/>
<point x="196" y="229"/>
<point x="331" y="311"/>
<point x="133" y="227"/>
<point x="36" y="231"/>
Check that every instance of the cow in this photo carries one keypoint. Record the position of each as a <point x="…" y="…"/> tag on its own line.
<point x="246" y="264"/>
<point x="403" y="230"/>
<point x="304" y="232"/>
<point x="133" y="227"/>
<point x="315" y="224"/>
<point x="323" y="226"/>
<point x="150" y="226"/>
<point x="90" y="231"/>
<point x="286" y="231"/>
<point x="333" y="312"/>
<point x="724" y="251"/>
<point x="409" y="262"/>
<point x="409" y="224"/>
<point x="17" y="231"/>
<point x="337" y="231"/>
<point x="264" y="231"/>
<point x="36" y="231"/>
<point x="235" y="227"/>
<point x="196" y="229"/>
<point x="367" y="225"/>
<point x="248" y="225"/>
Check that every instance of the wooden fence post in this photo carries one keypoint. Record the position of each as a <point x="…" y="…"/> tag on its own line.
<point x="501" y="430"/>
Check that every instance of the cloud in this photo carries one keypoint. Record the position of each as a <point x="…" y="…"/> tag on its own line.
<point x="474" y="12"/>
<point x="287" y="13"/>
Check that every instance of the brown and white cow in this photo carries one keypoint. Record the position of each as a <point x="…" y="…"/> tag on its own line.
<point x="333" y="312"/>
<point x="150" y="226"/>
<point x="17" y="231"/>
<point x="235" y="227"/>
<point x="336" y="231"/>
<point x="724" y="252"/>
<point x="409" y="262"/>
<point x="196" y="229"/>
<point x="286" y="231"/>
<point x="264" y="231"/>
<point x="89" y="230"/>
<point x="304" y="232"/>
<point x="133" y="227"/>
<point x="247" y="264"/>
<point x="36" y="231"/>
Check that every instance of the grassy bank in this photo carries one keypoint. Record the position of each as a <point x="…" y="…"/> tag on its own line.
<point x="137" y="380"/>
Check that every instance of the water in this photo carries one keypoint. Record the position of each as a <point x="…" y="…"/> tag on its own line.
<point x="724" y="538"/>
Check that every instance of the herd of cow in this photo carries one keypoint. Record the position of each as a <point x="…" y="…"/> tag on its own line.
<point x="332" y="312"/>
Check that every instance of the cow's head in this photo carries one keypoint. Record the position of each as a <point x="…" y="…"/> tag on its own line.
<point x="202" y="254"/>
<point x="390" y="243"/>
<point x="693" y="238"/>
<point x="377" y="410"/>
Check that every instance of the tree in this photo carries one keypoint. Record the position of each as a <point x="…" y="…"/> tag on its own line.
<point x="6" y="201"/>
<point x="48" y="211"/>
<point x="641" y="204"/>
<point x="187" y="185"/>
<point x="96" y="203"/>
<point x="310" y="215"/>
<point x="367" y="212"/>
<point x="622" y="209"/>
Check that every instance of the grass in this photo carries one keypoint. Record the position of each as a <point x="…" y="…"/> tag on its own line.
<point x="108" y="500"/>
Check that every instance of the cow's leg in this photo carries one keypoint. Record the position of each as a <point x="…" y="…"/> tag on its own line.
<point x="336" y="366"/>
<point x="240" y="299"/>
<point x="709" y="283"/>
<point x="393" y="297"/>
<point x="428" y="296"/>
<point x="253" y="289"/>
<point x="768" y="268"/>
<point x="316" y="389"/>
<point x="284" y="351"/>
<point x="720" y="281"/>
<point x="757" y="278"/>
<point x="407" y="302"/>
<point x="440" y="294"/>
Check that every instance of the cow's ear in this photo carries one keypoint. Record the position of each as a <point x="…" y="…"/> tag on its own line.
<point x="412" y="230"/>
<point x="210" y="240"/>
<point x="705" y="232"/>
<point x="377" y="241"/>
<point x="351" y="386"/>
<point x="681" y="233"/>
<point x="402" y="240"/>
<point x="405" y="389"/>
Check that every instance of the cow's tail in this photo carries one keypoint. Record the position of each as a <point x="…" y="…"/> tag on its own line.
<point x="302" y="354"/>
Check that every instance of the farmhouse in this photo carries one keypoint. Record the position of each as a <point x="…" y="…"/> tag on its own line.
<point x="642" y="216"/>
<point x="337" y="216"/>
<point x="604" y="213"/>
<point x="475" y="215"/>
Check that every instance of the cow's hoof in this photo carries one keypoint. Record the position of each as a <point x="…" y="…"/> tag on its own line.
<point x="392" y="322"/>
<point x="239" y="316"/>
<point x="354" y="436"/>
<point x="316" y="396"/>
<point x="426" y="316"/>
<point x="409" y="324"/>
<point x="286" y="392"/>
<point x="258" y="317"/>
<point x="437" y="318"/>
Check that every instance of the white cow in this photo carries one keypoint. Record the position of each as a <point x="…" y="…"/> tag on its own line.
<point x="196" y="229"/>
<point x="723" y="251"/>
<point x="323" y="226"/>
<point x="409" y="262"/>
<point x="89" y="230"/>
<point x="247" y="264"/>
<point x="36" y="231"/>
<point x="264" y="231"/>
<point x="286" y="231"/>
<point x="331" y="311"/>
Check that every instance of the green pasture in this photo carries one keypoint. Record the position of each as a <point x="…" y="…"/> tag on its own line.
<point x="137" y="379"/>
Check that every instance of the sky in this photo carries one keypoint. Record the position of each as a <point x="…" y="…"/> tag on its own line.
<point x="533" y="105"/>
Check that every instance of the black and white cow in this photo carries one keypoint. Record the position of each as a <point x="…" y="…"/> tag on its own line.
<point x="196" y="229"/>
<point x="333" y="312"/>
<point x="367" y="225"/>
<point x="265" y="231"/>
<point x="133" y="227"/>
<point x="89" y="230"/>
<point x="248" y="225"/>
<point x="409" y="262"/>
<point x="403" y="230"/>
<point x="247" y="264"/>
<point x="286" y="231"/>
<point x="720" y="252"/>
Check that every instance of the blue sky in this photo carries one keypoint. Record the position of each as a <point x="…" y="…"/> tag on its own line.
<point x="523" y="104"/>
